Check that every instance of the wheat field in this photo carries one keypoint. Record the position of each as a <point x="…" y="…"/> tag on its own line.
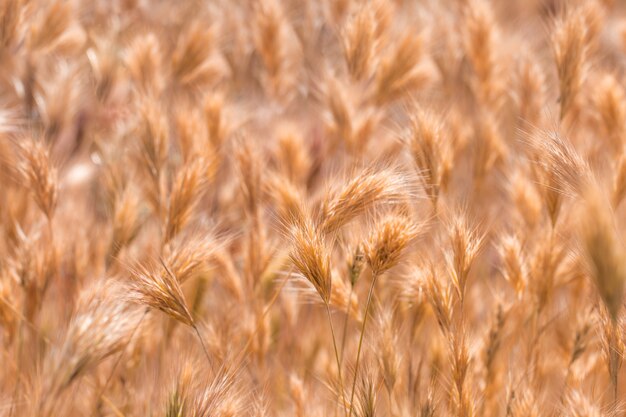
<point x="311" y="208"/>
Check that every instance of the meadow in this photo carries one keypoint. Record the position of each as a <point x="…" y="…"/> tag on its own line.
<point x="312" y="208"/>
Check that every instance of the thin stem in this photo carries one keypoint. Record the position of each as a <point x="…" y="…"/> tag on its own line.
<point x="615" y="393"/>
<point x="17" y="361"/>
<point x="332" y="331"/>
<point x="345" y="325"/>
<point x="206" y="352"/>
<point x="613" y="365"/>
<point x="391" y="402"/>
<point x="358" y="352"/>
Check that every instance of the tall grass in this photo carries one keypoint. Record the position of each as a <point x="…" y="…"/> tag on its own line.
<point x="312" y="208"/>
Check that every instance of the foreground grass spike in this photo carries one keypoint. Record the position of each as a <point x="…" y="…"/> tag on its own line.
<point x="387" y="241"/>
<point x="158" y="288"/>
<point x="359" y="195"/>
<point x="310" y="255"/>
<point x="357" y="207"/>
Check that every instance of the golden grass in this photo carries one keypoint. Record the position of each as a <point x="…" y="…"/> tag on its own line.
<point x="357" y="208"/>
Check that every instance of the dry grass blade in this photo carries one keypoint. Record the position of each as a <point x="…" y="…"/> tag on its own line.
<point x="311" y="257"/>
<point x="39" y="174"/>
<point x="103" y="322"/>
<point x="609" y="99"/>
<point x="430" y="152"/>
<point x="359" y="43"/>
<point x="564" y="171"/>
<point x="156" y="287"/>
<point x="218" y="396"/>
<point x="263" y="172"/>
<point x="153" y="133"/>
<point x="144" y="62"/>
<point x="570" y="51"/>
<point x="126" y="221"/>
<point x="465" y="242"/>
<point x="360" y="195"/>
<point x="191" y="61"/>
<point x="481" y="33"/>
<point x="604" y="251"/>
<point x="10" y="20"/>
<point x="291" y="211"/>
<point x="54" y="21"/>
<point x="399" y="72"/>
<point x="186" y="193"/>
<point x="619" y="182"/>
<point x="367" y="396"/>
<point x="387" y="241"/>
<point x="190" y="255"/>
<point x="514" y="266"/>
